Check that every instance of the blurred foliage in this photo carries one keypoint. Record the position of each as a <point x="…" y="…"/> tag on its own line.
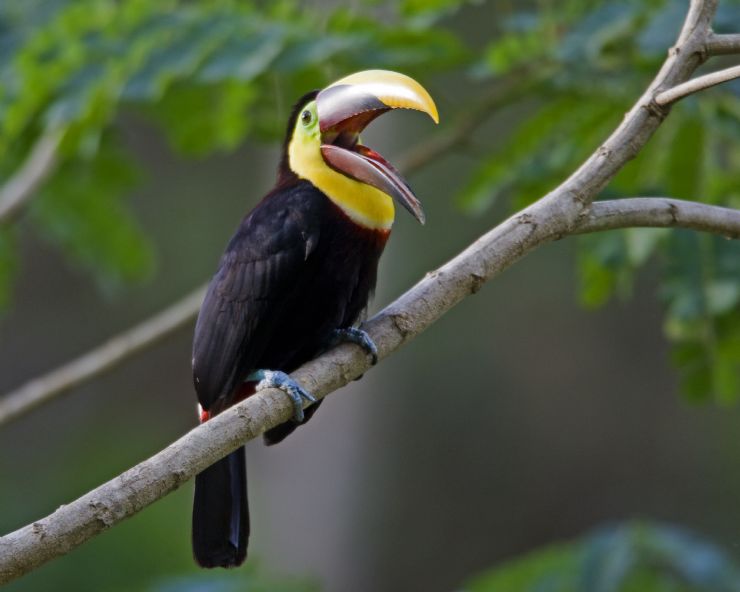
<point x="589" y="62"/>
<point x="207" y="73"/>
<point x="210" y="74"/>
<point x="627" y="558"/>
<point x="244" y="579"/>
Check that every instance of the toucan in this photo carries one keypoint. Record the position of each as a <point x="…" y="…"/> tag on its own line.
<point x="295" y="279"/>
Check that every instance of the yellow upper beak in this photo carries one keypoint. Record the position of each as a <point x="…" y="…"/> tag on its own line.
<point x="395" y="90"/>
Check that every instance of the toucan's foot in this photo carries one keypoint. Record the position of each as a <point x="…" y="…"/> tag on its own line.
<point x="358" y="337"/>
<point x="280" y="380"/>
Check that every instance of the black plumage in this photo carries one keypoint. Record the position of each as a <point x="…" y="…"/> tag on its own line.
<point x="301" y="266"/>
<point x="296" y="269"/>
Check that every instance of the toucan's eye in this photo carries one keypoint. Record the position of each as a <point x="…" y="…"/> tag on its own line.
<point x="306" y="117"/>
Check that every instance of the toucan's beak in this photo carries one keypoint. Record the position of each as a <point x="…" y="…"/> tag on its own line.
<point x="346" y="107"/>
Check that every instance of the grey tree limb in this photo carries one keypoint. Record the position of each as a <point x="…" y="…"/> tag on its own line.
<point x="727" y="44"/>
<point x="104" y="357"/>
<point x="39" y="164"/>
<point x="697" y="84"/>
<point x="557" y="214"/>
<point x="660" y="212"/>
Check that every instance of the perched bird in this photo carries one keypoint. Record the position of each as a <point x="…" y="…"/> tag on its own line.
<point x="295" y="279"/>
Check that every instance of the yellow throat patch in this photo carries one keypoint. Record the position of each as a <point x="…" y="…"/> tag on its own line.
<point x="363" y="203"/>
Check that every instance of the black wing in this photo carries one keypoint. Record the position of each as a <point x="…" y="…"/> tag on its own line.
<point x="263" y="264"/>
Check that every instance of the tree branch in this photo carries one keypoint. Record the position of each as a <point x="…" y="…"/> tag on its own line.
<point x="103" y="358"/>
<point x="39" y="164"/>
<point x="692" y="86"/>
<point x="42" y="389"/>
<point x="659" y="212"/>
<point x="553" y="216"/>
<point x="635" y="130"/>
<point x="723" y="44"/>
<point x="638" y="125"/>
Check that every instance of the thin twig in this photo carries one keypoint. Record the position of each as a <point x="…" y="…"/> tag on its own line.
<point x="39" y="164"/>
<point x="660" y="212"/>
<point x="102" y="358"/>
<point x="723" y="44"/>
<point x="700" y="83"/>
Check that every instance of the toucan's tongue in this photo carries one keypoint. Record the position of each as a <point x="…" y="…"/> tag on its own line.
<point x="410" y="202"/>
<point x="367" y="166"/>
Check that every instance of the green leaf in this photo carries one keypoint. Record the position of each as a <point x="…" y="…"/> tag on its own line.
<point x="684" y="167"/>
<point x="638" y="557"/>
<point x="244" y="59"/>
<point x="316" y="50"/>
<point x="551" y="569"/>
<point x="701" y="288"/>
<point x="607" y="261"/>
<point x="187" y="46"/>
<point x="641" y="243"/>
<point x="222" y="120"/>
<point x="423" y="13"/>
<point x="513" y="50"/>
<point x="501" y="169"/>
<point x="542" y="150"/>
<point x="722" y="296"/>
<point x="603" y="264"/>
<point x="8" y="265"/>
<point x="249" y="579"/>
<point x="645" y="175"/>
<point x="81" y="210"/>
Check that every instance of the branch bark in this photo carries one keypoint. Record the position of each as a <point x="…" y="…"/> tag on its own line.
<point x="17" y="190"/>
<point x="723" y="44"/>
<point x="660" y="212"/>
<point x="559" y="213"/>
<point x="103" y="358"/>
<point x="700" y="83"/>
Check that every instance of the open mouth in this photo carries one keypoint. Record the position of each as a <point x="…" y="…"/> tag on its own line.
<point x="342" y="151"/>
<point x="347" y="107"/>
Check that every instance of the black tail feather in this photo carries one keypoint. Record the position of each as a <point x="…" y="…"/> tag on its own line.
<point x="220" y="513"/>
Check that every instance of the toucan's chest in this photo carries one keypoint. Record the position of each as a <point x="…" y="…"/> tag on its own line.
<point x="331" y="291"/>
<point x="363" y="204"/>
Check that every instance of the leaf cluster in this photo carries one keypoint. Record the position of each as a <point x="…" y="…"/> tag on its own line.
<point x="208" y="74"/>
<point x="586" y="62"/>
<point x="639" y="557"/>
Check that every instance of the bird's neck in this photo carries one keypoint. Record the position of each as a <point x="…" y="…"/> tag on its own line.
<point x="363" y="204"/>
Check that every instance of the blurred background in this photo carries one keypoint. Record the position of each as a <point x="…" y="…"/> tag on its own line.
<point x="583" y="403"/>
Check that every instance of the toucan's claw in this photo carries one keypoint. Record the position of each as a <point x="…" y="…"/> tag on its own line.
<point x="358" y="337"/>
<point x="280" y="380"/>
